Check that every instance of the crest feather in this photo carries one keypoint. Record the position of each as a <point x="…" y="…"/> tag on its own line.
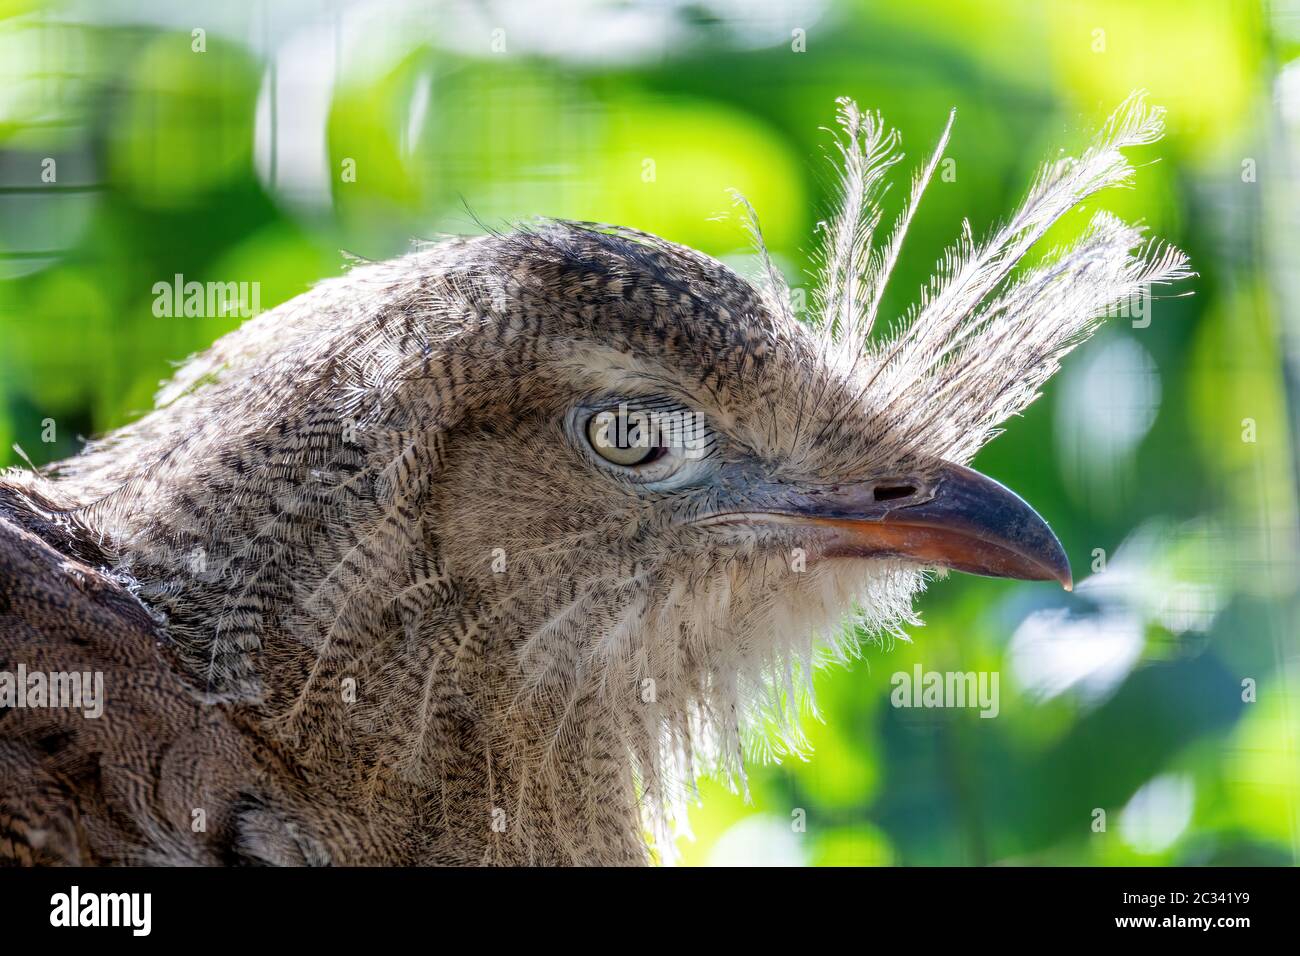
<point x="986" y="332"/>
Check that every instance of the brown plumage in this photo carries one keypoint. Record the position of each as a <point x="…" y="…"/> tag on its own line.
<point x="368" y="587"/>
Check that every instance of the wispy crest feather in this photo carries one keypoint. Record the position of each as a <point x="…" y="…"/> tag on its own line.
<point x="980" y="336"/>
<point x="868" y="149"/>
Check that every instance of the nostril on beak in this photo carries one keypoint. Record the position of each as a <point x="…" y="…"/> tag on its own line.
<point x="892" y="492"/>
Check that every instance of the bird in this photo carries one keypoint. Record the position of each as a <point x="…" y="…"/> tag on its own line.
<point x="486" y="554"/>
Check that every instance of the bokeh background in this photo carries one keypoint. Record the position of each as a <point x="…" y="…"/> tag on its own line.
<point x="1165" y="691"/>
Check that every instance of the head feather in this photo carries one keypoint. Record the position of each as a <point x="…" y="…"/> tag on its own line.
<point x="986" y="332"/>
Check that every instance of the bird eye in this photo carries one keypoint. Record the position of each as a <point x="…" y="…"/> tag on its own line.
<point x="627" y="440"/>
<point x="654" y="442"/>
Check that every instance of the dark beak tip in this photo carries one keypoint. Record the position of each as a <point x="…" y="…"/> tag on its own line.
<point x="1054" y="561"/>
<point x="1061" y="570"/>
<point x="1065" y="576"/>
<point x="1048" y="553"/>
<point x="989" y="512"/>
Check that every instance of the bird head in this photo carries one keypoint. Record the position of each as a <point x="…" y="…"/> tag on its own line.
<point x="675" y="486"/>
<point x="695" y="488"/>
<point x="592" y="490"/>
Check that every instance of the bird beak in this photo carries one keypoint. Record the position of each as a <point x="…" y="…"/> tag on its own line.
<point x="955" y="518"/>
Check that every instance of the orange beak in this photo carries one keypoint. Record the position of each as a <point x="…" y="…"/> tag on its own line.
<point x="955" y="518"/>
